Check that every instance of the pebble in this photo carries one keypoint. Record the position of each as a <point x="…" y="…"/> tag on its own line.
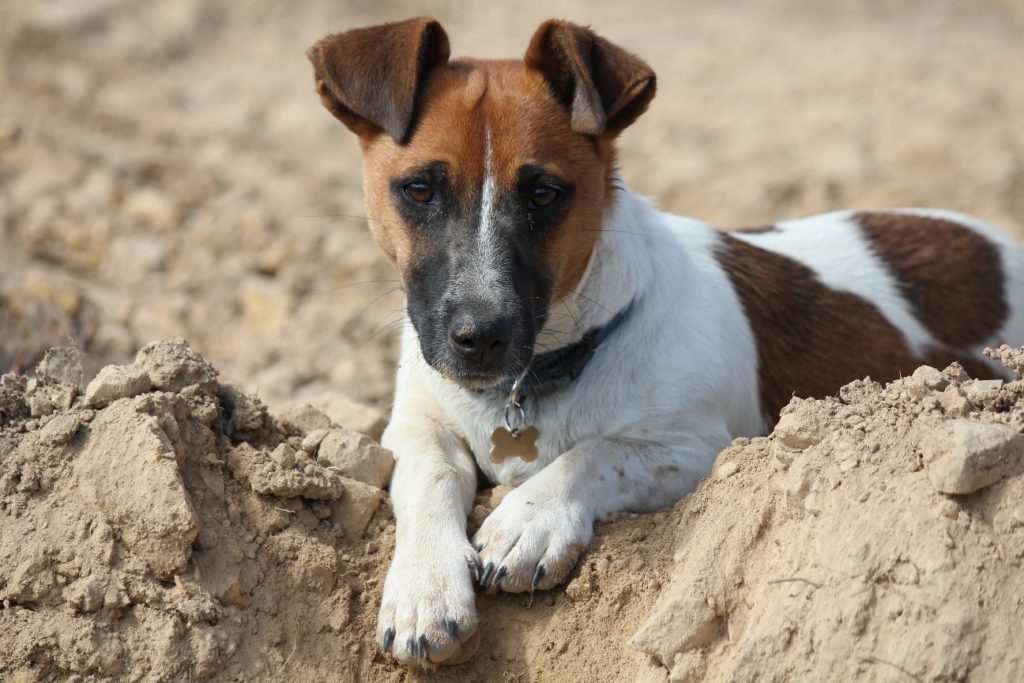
<point x="114" y="382"/>
<point x="954" y="403"/>
<point x="964" y="456"/>
<point x="306" y="419"/>
<point x="312" y="440"/>
<point x="726" y="470"/>
<point x="284" y="456"/>
<point x="982" y="390"/>
<point x="356" y="456"/>
<point x="930" y="377"/>
<point x="60" y="429"/>
<point x="39" y="406"/>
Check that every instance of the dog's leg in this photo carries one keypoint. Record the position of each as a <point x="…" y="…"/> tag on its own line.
<point x="428" y="609"/>
<point x="536" y="534"/>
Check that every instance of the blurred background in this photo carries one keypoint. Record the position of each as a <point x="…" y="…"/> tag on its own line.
<point x="166" y="168"/>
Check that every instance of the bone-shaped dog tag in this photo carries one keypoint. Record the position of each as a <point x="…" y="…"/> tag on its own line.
<point x="522" y="445"/>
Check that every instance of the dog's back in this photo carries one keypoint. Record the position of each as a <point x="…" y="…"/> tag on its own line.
<point x="845" y="295"/>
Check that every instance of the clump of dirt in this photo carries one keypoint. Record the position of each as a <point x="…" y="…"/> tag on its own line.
<point x="162" y="525"/>
<point x="159" y="524"/>
<point x="878" y="534"/>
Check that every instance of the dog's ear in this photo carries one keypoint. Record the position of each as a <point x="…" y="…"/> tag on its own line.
<point x="604" y="87"/>
<point x="371" y="78"/>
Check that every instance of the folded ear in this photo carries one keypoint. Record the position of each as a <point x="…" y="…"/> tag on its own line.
<point x="604" y="87"/>
<point x="371" y="78"/>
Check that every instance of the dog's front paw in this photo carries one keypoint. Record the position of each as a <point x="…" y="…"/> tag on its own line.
<point x="532" y="540"/>
<point x="428" y="611"/>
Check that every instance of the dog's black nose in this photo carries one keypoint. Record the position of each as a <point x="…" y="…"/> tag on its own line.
<point x="481" y="343"/>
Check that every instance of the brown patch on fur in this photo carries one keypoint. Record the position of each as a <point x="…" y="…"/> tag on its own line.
<point x="369" y="78"/>
<point x="951" y="276"/>
<point x="811" y="340"/>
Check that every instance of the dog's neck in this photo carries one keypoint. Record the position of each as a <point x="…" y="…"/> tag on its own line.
<point x="617" y="273"/>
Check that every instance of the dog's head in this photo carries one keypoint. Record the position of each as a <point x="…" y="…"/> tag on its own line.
<point x="486" y="181"/>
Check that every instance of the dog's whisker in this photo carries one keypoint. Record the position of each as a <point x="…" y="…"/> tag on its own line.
<point x="331" y="290"/>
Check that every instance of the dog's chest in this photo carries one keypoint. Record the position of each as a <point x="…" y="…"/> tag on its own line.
<point x="480" y="416"/>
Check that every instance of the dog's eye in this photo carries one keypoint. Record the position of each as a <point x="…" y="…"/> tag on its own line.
<point x="419" y="192"/>
<point x="543" y="195"/>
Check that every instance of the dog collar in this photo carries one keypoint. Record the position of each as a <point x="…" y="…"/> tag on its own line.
<point x="555" y="370"/>
<point x="546" y="374"/>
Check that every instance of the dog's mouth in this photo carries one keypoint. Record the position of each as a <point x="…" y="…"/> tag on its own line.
<point x="476" y="379"/>
<point x="478" y="382"/>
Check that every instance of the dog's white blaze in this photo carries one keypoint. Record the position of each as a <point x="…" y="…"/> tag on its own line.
<point x="486" y="276"/>
<point x="487" y="191"/>
<point x="833" y="246"/>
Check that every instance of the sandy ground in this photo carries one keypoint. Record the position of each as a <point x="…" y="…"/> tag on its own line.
<point x="166" y="170"/>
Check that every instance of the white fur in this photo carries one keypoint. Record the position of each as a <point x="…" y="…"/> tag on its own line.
<point x="485" y="276"/>
<point x="639" y="428"/>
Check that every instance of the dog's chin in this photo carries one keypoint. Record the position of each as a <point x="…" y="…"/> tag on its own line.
<point x="476" y="381"/>
<point x="471" y="378"/>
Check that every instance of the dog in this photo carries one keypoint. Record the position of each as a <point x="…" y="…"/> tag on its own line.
<point x="566" y="338"/>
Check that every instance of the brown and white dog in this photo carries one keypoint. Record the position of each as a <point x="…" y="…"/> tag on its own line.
<point x="565" y="337"/>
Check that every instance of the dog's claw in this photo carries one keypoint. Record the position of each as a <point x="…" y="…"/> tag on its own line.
<point x="498" y="576"/>
<point x="488" y="571"/>
<point x="389" y="638"/>
<point x="421" y="651"/>
<point x="474" y="566"/>
<point x="453" y="628"/>
<point x="411" y="647"/>
<point x="478" y="547"/>
<point x="538" y="576"/>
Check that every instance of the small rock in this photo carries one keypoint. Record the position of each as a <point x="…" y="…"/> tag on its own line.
<point x="60" y="429"/>
<point x="284" y="456"/>
<point x="63" y="365"/>
<point x="930" y="377"/>
<point x="233" y="595"/>
<point x="39" y="406"/>
<point x="982" y="390"/>
<point x="963" y="456"/>
<point x="356" y="456"/>
<point x="726" y="470"/>
<point x="580" y="588"/>
<point x="173" y="365"/>
<point x="305" y="419"/>
<point x="371" y="548"/>
<point x="797" y="430"/>
<point x="954" y="403"/>
<point x="354" y="511"/>
<point x="350" y="414"/>
<point x="311" y="442"/>
<point x="114" y="382"/>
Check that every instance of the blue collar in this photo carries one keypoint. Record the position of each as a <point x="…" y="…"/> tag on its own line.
<point x="554" y="370"/>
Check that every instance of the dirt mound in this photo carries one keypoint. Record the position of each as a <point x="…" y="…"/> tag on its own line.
<point x="163" y="525"/>
<point x="878" y="535"/>
<point x="160" y="524"/>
